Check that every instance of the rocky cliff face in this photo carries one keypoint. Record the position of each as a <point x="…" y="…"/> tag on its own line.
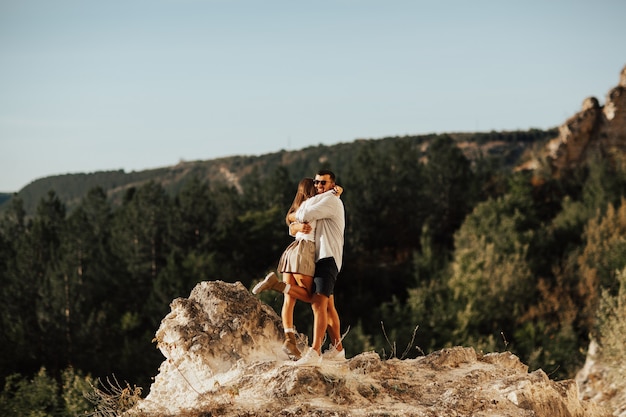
<point x="223" y="358"/>
<point x="595" y="129"/>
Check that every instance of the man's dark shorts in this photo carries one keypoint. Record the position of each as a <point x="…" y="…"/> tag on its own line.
<point x="325" y="276"/>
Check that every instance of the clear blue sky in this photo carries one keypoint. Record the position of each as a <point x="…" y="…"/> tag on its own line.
<point x="92" y="85"/>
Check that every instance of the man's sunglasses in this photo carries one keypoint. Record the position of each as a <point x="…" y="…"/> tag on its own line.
<point x="323" y="182"/>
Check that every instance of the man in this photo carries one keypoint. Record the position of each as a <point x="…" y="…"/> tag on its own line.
<point x="329" y="241"/>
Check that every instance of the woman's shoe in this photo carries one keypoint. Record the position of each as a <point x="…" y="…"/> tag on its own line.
<point x="290" y="346"/>
<point x="270" y="282"/>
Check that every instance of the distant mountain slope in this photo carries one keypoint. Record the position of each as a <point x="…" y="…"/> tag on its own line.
<point x="506" y="147"/>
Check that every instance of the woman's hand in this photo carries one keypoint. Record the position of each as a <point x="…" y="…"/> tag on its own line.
<point x="296" y="227"/>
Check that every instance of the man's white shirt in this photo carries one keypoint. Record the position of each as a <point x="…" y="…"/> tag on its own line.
<point x="328" y="212"/>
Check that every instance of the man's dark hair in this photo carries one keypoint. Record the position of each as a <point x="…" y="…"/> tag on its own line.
<point x="328" y="172"/>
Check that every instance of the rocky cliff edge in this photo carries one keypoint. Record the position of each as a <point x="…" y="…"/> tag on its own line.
<point x="595" y="130"/>
<point x="222" y="349"/>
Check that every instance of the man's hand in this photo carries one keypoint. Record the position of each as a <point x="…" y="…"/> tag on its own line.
<point x="296" y="227"/>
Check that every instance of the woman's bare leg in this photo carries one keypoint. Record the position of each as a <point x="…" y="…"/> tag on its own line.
<point x="299" y="288"/>
<point x="289" y="302"/>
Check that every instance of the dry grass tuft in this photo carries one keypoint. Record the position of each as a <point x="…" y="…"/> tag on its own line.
<point x="113" y="399"/>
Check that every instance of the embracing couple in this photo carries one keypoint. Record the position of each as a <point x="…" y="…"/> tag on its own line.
<point x="310" y="265"/>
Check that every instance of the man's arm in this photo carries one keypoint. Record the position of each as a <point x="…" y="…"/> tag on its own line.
<point x="295" y="226"/>
<point x="321" y="206"/>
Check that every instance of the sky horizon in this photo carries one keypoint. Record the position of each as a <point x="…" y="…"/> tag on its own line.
<point x="141" y="84"/>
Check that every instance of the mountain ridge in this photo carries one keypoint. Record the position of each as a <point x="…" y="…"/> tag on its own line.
<point x="508" y="147"/>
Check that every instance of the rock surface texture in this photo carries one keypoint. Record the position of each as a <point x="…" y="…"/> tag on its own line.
<point x="593" y="385"/>
<point x="223" y="357"/>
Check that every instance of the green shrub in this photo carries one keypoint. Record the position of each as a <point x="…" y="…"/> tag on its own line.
<point x="42" y="396"/>
<point x="22" y="397"/>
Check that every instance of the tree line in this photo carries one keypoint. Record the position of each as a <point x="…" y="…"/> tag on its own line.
<point x="440" y="251"/>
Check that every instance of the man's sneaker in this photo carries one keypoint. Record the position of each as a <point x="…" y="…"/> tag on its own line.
<point x="311" y="357"/>
<point x="332" y="354"/>
<point x="270" y="282"/>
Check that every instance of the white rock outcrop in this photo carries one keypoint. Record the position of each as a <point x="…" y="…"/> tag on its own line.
<point x="223" y="358"/>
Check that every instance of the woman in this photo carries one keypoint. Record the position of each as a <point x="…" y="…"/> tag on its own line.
<point x="297" y="266"/>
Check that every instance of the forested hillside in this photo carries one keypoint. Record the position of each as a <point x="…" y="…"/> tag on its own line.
<point x="504" y="148"/>
<point x="442" y="236"/>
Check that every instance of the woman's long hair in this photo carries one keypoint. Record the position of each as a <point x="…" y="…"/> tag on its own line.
<point x="306" y="189"/>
